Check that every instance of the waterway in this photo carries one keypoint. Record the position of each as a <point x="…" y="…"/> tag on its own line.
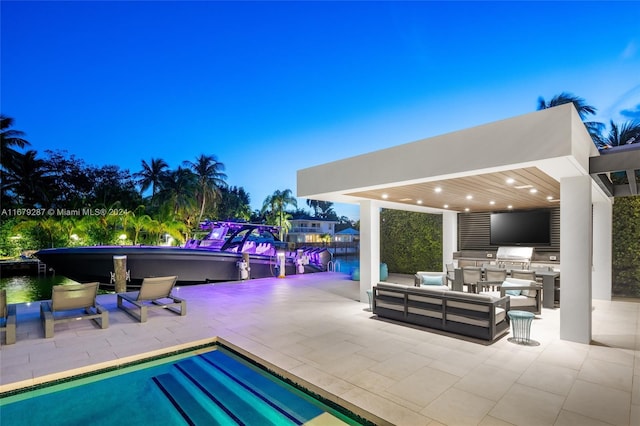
<point x="21" y="289"/>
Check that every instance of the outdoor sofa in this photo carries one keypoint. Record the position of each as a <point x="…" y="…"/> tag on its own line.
<point x="480" y="316"/>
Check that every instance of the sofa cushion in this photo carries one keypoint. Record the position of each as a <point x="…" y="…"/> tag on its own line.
<point x="395" y="294"/>
<point x="392" y="306"/>
<point x="519" y="300"/>
<point x="424" y="312"/>
<point x="392" y="286"/>
<point x="500" y="316"/>
<point x="425" y="299"/>
<point x="431" y="279"/>
<point x="515" y="301"/>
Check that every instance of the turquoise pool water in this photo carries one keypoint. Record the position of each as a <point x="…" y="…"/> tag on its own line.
<point x="211" y="388"/>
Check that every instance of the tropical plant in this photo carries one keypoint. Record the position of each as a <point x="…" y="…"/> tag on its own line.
<point x="276" y="204"/>
<point x="622" y="134"/>
<point x="151" y="175"/>
<point x="326" y="210"/>
<point x="584" y="111"/>
<point x="209" y="172"/>
<point x="314" y="205"/>
<point x="45" y="232"/>
<point x="9" y="140"/>
<point x="27" y="181"/>
<point x="177" y="189"/>
<point x="234" y="204"/>
<point x="137" y="223"/>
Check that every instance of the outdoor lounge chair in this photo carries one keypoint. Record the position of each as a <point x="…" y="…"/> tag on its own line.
<point x="154" y="293"/>
<point x="7" y="318"/>
<point x="75" y="297"/>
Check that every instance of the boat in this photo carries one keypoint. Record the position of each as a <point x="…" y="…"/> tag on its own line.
<point x="231" y="251"/>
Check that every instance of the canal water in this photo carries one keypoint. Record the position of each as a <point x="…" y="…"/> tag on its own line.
<point x="21" y="289"/>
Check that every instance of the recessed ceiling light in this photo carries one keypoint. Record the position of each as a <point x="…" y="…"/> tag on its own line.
<point x="404" y="199"/>
<point x="466" y="209"/>
<point x="523" y="186"/>
<point x="549" y="197"/>
<point x="469" y="197"/>
<point x="385" y="196"/>
<point x="510" y="180"/>
<point x="446" y="206"/>
<point x="438" y="189"/>
<point x="492" y="202"/>
<point x="533" y="190"/>
<point x="419" y="201"/>
<point x="509" y="206"/>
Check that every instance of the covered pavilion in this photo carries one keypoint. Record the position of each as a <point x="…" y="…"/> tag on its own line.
<point x="549" y="150"/>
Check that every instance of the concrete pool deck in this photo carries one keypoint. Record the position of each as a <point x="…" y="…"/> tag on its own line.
<point x="313" y="327"/>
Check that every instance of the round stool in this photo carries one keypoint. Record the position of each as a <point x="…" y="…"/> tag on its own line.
<point x="521" y="326"/>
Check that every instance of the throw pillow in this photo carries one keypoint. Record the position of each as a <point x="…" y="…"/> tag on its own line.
<point x="432" y="280"/>
<point x="506" y="286"/>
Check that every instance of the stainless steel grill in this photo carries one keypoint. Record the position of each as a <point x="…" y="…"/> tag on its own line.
<point x="509" y="257"/>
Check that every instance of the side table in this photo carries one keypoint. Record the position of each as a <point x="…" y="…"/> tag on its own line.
<point x="370" y="295"/>
<point x="521" y="326"/>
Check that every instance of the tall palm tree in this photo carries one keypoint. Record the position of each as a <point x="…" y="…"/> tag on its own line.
<point x="210" y="178"/>
<point x="314" y="205"/>
<point x="151" y="175"/>
<point x="276" y="204"/>
<point x="584" y="111"/>
<point x="9" y="139"/>
<point x="178" y="189"/>
<point x="622" y="134"/>
<point x="27" y="181"/>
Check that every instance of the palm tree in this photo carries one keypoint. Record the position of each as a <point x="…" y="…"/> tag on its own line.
<point x="27" y="181"/>
<point x="584" y="110"/>
<point x="151" y="175"/>
<point x="178" y="188"/>
<point x="314" y="205"/>
<point x="8" y="140"/>
<point x="139" y="222"/>
<point x="210" y="178"/>
<point x="622" y="134"/>
<point x="276" y="204"/>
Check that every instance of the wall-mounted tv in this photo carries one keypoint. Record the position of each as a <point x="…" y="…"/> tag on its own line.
<point x="521" y="228"/>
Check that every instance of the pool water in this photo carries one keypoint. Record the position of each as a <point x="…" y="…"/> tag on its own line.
<point x="211" y="388"/>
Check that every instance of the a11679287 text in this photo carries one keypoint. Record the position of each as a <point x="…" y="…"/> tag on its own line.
<point x="85" y="211"/>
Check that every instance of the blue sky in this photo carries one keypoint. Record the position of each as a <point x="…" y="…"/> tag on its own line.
<point x="274" y="87"/>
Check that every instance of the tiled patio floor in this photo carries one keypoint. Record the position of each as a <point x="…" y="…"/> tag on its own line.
<point x="313" y="327"/>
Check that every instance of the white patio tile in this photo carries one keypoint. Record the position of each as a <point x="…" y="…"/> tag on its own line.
<point x="457" y="407"/>
<point x="600" y="402"/>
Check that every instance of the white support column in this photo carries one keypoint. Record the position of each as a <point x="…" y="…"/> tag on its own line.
<point x="602" y="249"/>
<point x="369" y="247"/>
<point x="449" y="237"/>
<point x="575" y="252"/>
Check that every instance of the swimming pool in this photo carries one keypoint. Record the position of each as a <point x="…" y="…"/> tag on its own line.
<point x="214" y="387"/>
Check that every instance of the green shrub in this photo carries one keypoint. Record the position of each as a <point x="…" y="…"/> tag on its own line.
<point x="410" y="241"/>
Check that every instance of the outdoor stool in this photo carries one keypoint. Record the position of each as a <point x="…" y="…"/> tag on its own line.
<point x="521" y="326"/>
